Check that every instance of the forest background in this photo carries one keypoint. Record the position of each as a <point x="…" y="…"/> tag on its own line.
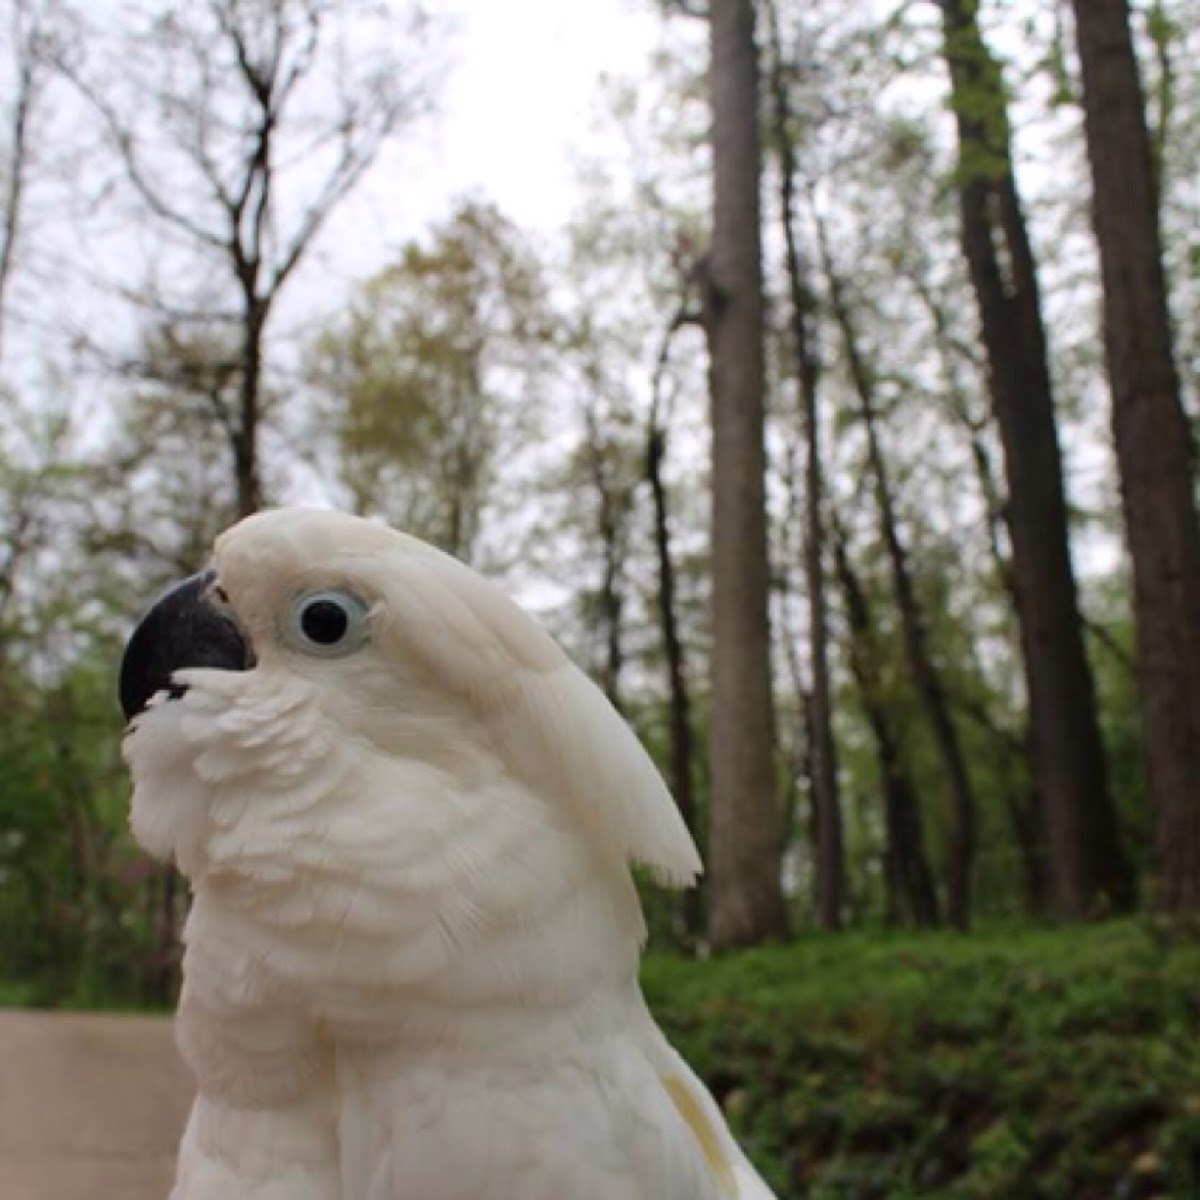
<point x="844" y="431"/>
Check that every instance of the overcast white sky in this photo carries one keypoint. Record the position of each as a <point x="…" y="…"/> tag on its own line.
<point x="519" y="100"/>
<point x="517" y="107"/>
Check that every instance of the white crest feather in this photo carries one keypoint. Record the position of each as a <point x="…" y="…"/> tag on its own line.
<point x="548" y="721"/>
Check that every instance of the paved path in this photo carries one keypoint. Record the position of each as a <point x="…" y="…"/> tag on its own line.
<point x="91" y="1106"/>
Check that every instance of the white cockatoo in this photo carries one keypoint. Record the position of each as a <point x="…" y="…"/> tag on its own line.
<point x="408" y="821"/>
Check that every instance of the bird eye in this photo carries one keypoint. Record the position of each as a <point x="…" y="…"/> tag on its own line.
<point x="326" y="623"/>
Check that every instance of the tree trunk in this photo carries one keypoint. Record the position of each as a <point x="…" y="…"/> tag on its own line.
<point x="1152" y="441"/>
<point x="679" y="702"/>
<point x="683" y="755"/>
<point x="1023" y="804"/>
<point x="925" y="675"/>
<point x="610" y="525"/>
<point x="1021" y="799"/>
<point x="907" y="874"/>
<point x="830" y="858"/>
<point x="248" y="486"/>
<point x="25" y="46"/>
<point x="1087" y="868"/>
<point x="745" y="843"/>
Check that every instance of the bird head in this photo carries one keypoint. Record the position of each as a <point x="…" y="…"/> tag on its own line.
<point x="335" y="726"/>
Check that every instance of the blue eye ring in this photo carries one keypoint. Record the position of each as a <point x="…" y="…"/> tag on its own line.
<point x="328" y="623"/>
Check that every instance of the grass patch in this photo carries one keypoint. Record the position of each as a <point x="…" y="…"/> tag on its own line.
<point x="1048" y="1064"/>
<point x="1018" y="1064"/>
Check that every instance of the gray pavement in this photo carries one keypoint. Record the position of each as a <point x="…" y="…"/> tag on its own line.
<point x="91" y="1106"/>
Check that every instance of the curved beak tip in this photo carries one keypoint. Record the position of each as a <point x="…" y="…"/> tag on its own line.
<point x="182" y="629"/>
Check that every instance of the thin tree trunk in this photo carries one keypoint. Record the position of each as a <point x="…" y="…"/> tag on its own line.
<point x="745" y="845"/>
<point x="248" y="486"/>
<point x="683" y="758"/>
<point x="1019" y="795"/>
<point x="610" y="523"/>
<point x="925" y="675"/>
<point x="25" y="49"/>
<point x="1024" y="815"/>
<point x="1088" y="869"/>
<point x="680" y="705"/>
<point x="1162" y="31"/>
<point x="683" y="755"/>
<point x="801" y="783"/>
<point x="1154" y="449"/>
<point x="908" y="877"/>
<point x="1022" y="805"/>
<point x="830" y="857"/>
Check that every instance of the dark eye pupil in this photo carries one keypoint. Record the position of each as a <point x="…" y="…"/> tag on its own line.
<point x="324" y="622"/>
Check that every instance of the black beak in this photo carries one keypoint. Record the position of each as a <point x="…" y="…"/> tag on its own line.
<point x="183" y="629"/>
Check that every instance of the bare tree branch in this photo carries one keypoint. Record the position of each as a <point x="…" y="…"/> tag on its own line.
<point x="696" y="9"/>
<point x="125" y="144"/>
<point x="350" y="168"/>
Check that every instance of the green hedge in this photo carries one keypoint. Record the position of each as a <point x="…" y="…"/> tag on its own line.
<point x="1025" y="1064"/>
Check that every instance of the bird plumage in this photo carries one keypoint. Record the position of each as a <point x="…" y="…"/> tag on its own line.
<point x="411" y="959"/>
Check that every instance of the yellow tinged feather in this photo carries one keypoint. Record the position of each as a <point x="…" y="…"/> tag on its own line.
<point x="696" y="1121"/>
